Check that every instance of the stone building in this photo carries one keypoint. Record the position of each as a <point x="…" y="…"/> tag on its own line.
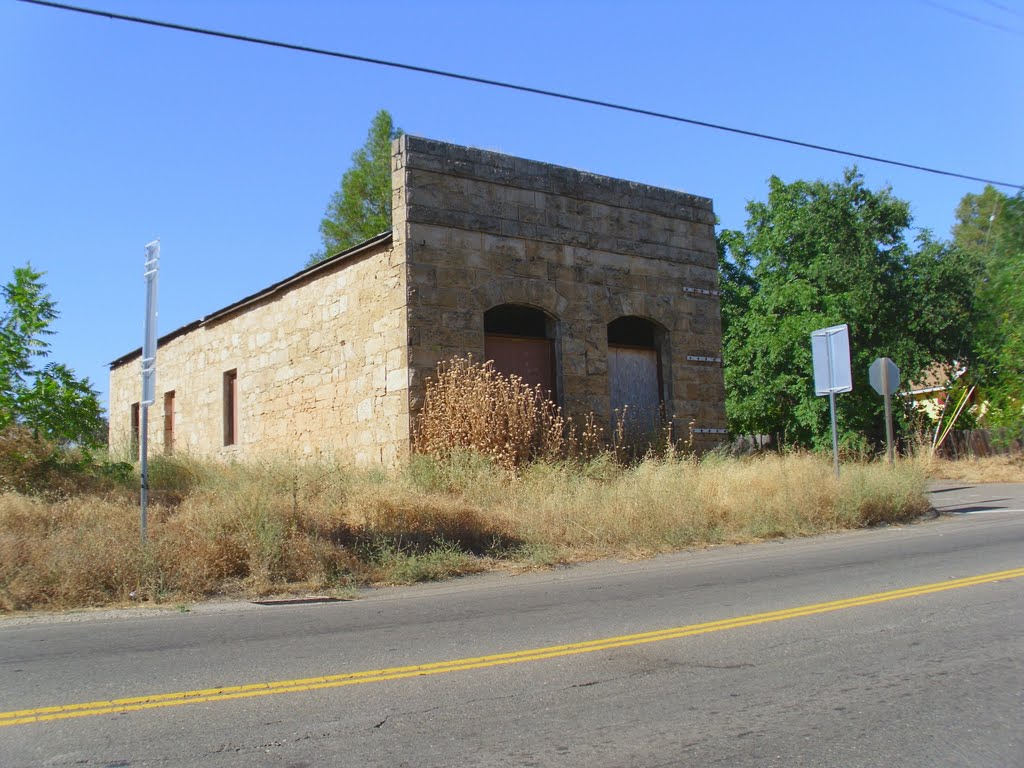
<point x="602" y="290"/>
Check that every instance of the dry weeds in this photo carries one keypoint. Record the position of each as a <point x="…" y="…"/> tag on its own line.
<point x="270" y="528"/>
<point x="502" y="477"/>
<point x="470" y="406"/>
<point x="988" y="469"/>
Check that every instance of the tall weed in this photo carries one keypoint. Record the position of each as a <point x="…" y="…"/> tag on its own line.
<point x="469" y="406"/>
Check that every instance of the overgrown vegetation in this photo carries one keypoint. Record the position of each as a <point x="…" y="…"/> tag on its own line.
<point x="32" y="464"/>
<point x="1007" y="468"/>
<point x="266" y="528"/>
<point x="502" y="482"/>
<point x="471" y="407"/>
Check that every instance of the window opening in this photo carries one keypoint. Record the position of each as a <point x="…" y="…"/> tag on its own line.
<point x="632" y="332"/>
<point x="520" y="341"/>
<point x="169" y="422"/>
<point x="135" y="445"/>
<point x="515" y="320"/>
<point x="231" y="407"/>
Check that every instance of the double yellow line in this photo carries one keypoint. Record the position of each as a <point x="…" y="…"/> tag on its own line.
<point x="229" y="693"/>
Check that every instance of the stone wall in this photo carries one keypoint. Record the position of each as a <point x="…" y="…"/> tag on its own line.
<point x="321" y="370"/>
<point x="479" y="229"/>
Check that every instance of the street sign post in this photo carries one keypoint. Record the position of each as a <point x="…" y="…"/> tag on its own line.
<point x="885" y="379"/>
<point x="150" y="272"/>
<point x="830" y="348"/>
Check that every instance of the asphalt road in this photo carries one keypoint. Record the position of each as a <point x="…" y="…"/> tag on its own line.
<point x="794" y="653"/>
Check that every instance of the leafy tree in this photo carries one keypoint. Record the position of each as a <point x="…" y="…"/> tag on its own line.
<point x="821" y="253"/>
<point x="361" y="208"/>
<point x="991" y="226"/>
<point x="50" y="400"/>
<point x="979" y="224"/>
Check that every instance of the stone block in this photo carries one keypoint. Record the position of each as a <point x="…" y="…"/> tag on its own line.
<point x="396" y="359"/>
<point x="397" y="380"/>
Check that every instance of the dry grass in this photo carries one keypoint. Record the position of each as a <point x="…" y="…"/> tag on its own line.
<point x="270" y="528"/>
<point x="988" y="469"/>
<point x="664" y="504"/>
<point x="29" y="464"/>
<point x="501" y="478"/>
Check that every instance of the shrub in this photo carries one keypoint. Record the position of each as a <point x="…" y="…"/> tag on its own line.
<point x="32" y="464"/>
<point x="470" y="406"/>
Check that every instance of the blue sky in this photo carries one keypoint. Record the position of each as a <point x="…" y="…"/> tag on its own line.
<point x="114" y="133"/>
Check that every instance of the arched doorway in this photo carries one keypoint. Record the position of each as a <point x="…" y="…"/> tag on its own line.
<point x="521" y="341"/>
<point x="636" y="372"/>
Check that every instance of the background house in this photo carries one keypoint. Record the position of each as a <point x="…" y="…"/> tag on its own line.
<point x="601" y="290"/>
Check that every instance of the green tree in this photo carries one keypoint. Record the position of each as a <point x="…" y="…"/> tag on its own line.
<point x="49" y="400"/>
<point x="991" y="226"/>
<point x="361" y="208"/>
<point x="821" y="253"/>
<point x="979" y="224"/>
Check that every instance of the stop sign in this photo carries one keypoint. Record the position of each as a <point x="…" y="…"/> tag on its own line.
<point x="884" y="376"/>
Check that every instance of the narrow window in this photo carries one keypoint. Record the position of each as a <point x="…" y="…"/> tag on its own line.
<point x="135" y="447"/>
<point x="169" y="422"/>
<point x="231" y="407"/>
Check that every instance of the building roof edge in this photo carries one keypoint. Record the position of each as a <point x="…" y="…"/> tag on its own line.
<point x="270" y="290"/>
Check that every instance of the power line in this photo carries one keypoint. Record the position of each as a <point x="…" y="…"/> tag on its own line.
<point x="972" y="17"/>
<point x="515" y="87"/>
<point x="1005" y="8"/>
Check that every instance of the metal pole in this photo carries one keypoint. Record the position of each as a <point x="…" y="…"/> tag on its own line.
<point x="835" y="434"/>
<point x="832" y="403"/>
<point x="888" y="415"/>
<point x="888" y="430"/>
<point x="148" y="375"/>
<point x="144" y="466"/>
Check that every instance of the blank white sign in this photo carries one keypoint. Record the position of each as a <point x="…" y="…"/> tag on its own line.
<point x="830" y="348"/>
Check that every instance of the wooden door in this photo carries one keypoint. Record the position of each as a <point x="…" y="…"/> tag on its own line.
<point x="533" y="360"/>
<point x="635" y="387"/>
